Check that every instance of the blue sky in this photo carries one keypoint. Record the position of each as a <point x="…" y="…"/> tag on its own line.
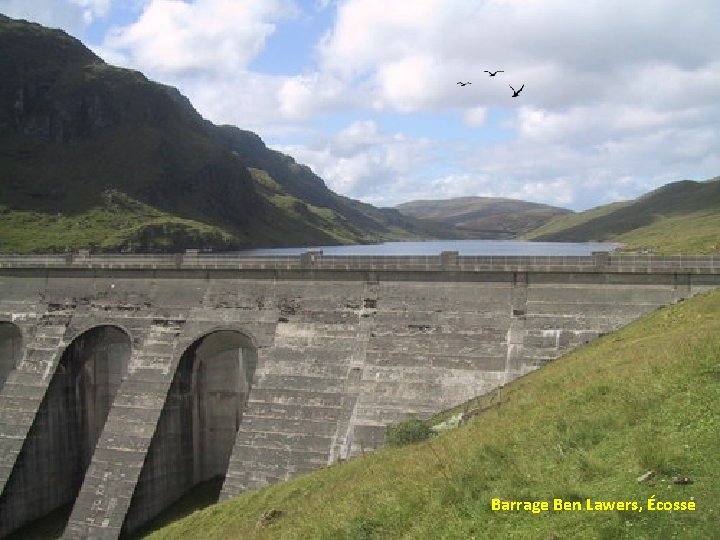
<point x="620" y="97"/>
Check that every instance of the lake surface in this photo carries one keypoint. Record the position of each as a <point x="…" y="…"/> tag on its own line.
<point x="464" y="247"/>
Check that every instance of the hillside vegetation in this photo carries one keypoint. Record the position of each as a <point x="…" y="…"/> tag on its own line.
<point x="681" y="217"/>
<point x="484" y="217"/>
<point x="73" y="128"/>
<point x="584" y="427"/>
<point x="118" y="223"/>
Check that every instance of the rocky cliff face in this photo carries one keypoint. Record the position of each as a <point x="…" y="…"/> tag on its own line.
<point x="57" y="90"/>
<point x="31" y="69"/>
<point x="95" y="126"/>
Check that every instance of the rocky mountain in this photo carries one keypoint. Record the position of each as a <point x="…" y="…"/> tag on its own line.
<point x="92" y="155"/>
<point x="484" y="217"/>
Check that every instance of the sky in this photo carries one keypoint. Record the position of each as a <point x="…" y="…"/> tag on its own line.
<point x="619" y="97"/>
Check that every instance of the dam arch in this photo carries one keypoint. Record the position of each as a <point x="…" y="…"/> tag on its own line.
<point x="11" y="346"/>
<point x="198" y="424"/>
<point x="57" y="451"/>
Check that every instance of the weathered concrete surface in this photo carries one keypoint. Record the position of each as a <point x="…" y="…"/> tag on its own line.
<point x="10" y="349"/>
<point x="349" y="358"/>
<point x="61" y="440"/>
<point x="20" y="403"/>
<point x="197" y="426"/>
<point x="307" y="365"/>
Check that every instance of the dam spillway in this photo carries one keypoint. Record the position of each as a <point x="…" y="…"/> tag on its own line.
<point x="125" y="380"/>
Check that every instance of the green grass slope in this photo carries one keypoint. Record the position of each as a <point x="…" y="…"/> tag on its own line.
<point x="584" y="427"/>
<point x="681" y="217"/>
<point x="696" y="233"/>
<point x="484" y="217"/>
<point x="569" y="221"/>
<point x="118" y="223"/>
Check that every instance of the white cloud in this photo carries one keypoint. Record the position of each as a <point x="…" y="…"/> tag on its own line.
<point x="409" y="84"/>
<point x="173" y="37"/>
<point x="566" y="52"/>
<point x="204" y="47"/>
<point x="92" y="9"/>
<point x="475" y="117"/>
<point x="303" y="96"/>
<point x="586" y="175"/>
<point x="72" y="16"/>
<point x="245" y="99"/>
<point x="364" y="161"/>
<point x="369" y="30"/>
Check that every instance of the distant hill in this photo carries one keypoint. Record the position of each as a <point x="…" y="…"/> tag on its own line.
<point x="96" y="156"/>
<point x="681" y="217"/>
<point x="484" y="217"/>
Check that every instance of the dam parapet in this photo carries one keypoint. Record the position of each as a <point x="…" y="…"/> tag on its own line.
<point x="314" y="259"/>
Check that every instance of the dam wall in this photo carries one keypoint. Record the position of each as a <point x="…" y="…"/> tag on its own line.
<point x="172" y="370"/>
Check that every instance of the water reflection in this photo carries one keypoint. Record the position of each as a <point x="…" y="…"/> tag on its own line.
<point x="464" y="247"/>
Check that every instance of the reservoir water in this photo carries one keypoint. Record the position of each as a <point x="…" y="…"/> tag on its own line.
<point x="464" y="247"/>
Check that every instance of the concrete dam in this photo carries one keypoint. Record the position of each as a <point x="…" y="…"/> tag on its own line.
<point x="125" y="380"/>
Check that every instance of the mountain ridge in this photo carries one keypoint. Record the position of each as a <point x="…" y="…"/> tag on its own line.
<point x="678" y="217"/>
<point x="73" y="127"/>
<point x="484" y="217"/>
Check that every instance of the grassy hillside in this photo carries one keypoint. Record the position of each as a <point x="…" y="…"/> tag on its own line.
<point x="681" y="217"/>
<point x="73" y="127"/>
<point x="484" y="217"/>
<point x="697" y="233"/>
<point x="585" y="426"/>
<point x="119" y="223"/>
<point x="570" y="221"/>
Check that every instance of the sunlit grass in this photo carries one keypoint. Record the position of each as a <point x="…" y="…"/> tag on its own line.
<point x="696" y="233"/>
<point x="560" y="223"/>
<point x="111" y="226"/>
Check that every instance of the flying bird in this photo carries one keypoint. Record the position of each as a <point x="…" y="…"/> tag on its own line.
<point x="516" y="93"/>
<point x="464" y="83"/>
<point x="493" y="73"/>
